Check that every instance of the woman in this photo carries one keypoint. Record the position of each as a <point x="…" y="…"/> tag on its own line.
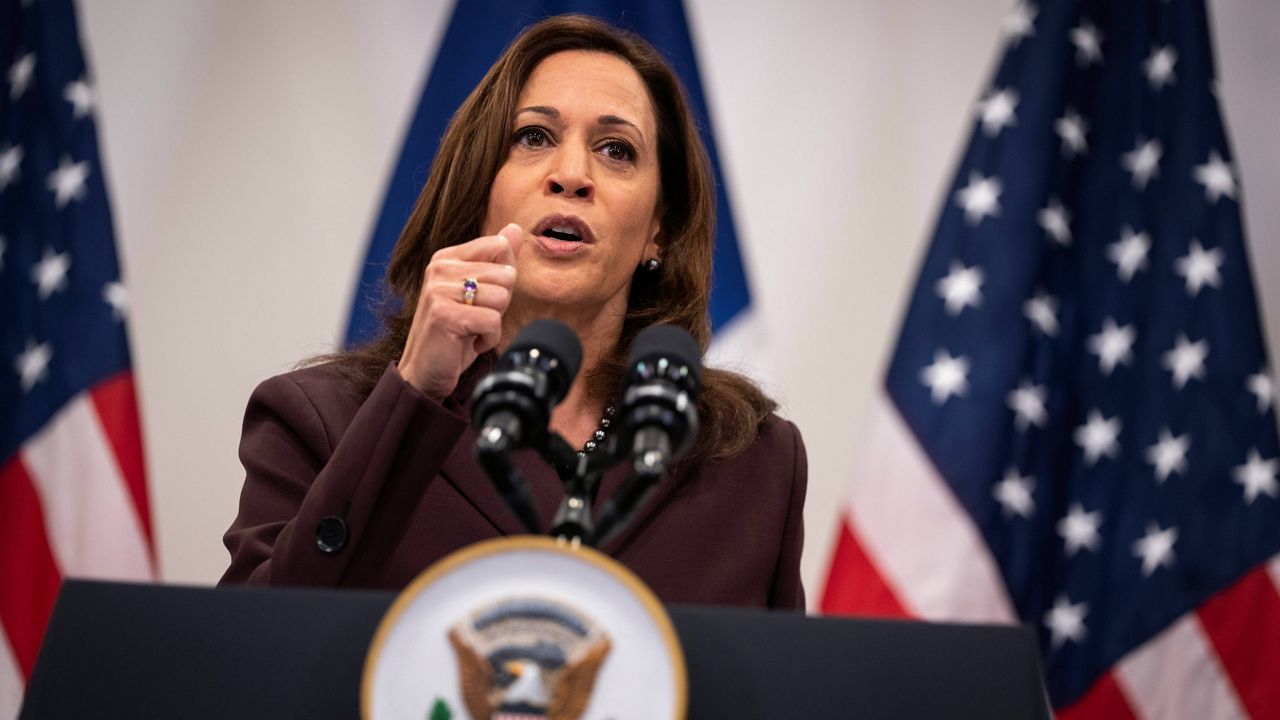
<point x="571" y="184"/>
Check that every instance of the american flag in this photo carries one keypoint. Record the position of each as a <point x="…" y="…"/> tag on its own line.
<point x="73" y="497"/>
<point x="1079" y="426"/>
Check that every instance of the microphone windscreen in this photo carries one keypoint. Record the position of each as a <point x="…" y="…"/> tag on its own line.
<point x="555" y="339"/>
<point x="670" y="342"/>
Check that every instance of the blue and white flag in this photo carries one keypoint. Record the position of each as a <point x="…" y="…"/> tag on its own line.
<point x="1079" y="429"/>
<point x="477" y="33"/>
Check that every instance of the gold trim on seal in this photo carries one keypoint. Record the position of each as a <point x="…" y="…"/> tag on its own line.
<point x="535" y="543"/>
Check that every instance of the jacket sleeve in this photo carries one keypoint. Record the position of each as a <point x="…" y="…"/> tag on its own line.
<point x="788" y="591"/>
<point x="356" y="495"/>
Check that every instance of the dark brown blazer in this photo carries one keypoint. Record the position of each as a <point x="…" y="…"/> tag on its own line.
<point x="397" y="472"/>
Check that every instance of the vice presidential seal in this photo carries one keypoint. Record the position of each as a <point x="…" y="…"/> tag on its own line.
<point x="525" y="628"/>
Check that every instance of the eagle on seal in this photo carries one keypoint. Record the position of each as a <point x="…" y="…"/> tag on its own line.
<point x="528" y="658"/>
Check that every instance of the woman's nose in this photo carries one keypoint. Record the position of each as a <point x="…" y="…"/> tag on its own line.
<point x="571" y="175"/>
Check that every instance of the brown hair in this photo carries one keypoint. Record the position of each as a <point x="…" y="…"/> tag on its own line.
<point x="452" y="205"/>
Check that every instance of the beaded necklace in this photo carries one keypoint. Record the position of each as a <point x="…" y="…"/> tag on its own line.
<point x="602" y="432"/>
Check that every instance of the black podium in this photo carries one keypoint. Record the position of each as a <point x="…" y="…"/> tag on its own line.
<point x="147" y="651"/>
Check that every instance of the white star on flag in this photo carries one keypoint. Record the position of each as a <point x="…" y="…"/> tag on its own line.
<point x="50" y="274"/>
<point x="1143" y="162"/>
<point x="1258" y="477"/>
<point x="1079" y="529"/>
<point x="1097" y="437"/>
<point x="1056" y="220"/>
<point x="1159" y="66"/>
<point x="997" y="111"/>
<point x="67" y="181"/>
<point x="1169" y="454"/>
<point x="1217" y="178"/>
<point x="20" y="73"/>
<point x="1088" y="42"/>
<point x="1019" y="23"/>
<point x="1155" y="548"/>
<point x="980" y="198"/>
<point x="947" y="376"/>
<point x="1014" y="494"/>
<point x="80" y="95"/>
<point x="1185" y="360"/>
<point x="1199" y="267"/>
<point x="1129" y="253"/>
<point x="1042" y="310"/>
<point x="114" y="294"/>
<point x="32" y="364"/>
<point x="961" y="288"/>
<point x="1262" y="388"/>
<point x="1066" y="621"/>
<point x="1072" y="129"/>
<point x="1114" y="345"/>
<point x="1027" y="403"/>
<point x="10" y="162"/>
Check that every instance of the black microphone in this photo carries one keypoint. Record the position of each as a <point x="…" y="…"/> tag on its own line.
<point x="658" y="419"/>
<point x="512" y="406"/>
<point x="659" y="414"/>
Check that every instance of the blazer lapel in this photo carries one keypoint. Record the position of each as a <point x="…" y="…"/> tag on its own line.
<point x="656" y="501"/>
<point x="463" y="472"/>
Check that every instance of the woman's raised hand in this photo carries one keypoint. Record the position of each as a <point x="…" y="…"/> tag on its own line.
<point x="447" y="333"/>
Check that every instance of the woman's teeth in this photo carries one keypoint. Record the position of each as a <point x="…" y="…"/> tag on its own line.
<point x="563" y="233"/>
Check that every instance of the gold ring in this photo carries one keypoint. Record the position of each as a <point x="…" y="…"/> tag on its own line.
<point x="469" y="287"/>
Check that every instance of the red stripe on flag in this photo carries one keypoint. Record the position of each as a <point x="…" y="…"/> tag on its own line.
<point x="1104" y="701"/>
<point x="855" y="586"/>
<point x="117" y="407"/>
<point x="1243" y="623"/>
<point x="29" y="576"/>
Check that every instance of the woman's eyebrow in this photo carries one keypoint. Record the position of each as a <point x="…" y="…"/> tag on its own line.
<point x="554" y="114"/>
<point x="609" y="120"/>
<point x="541" y="110"/>
<point x="615" y="120"/>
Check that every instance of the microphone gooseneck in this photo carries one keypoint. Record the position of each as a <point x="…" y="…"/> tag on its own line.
<point x="512" y="406"/>
<point x="658" y="420"/>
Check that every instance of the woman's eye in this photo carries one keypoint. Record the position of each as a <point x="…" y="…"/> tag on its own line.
<point x="531" y="137"/>
<point x="618" y="150"/>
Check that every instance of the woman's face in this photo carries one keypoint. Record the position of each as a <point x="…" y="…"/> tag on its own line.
<point x="581" y="176"/>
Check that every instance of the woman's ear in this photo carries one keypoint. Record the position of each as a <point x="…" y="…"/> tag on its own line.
<point x="653" y="247"/>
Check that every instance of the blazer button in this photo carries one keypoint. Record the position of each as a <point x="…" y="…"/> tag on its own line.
<point x="331" y="534"/>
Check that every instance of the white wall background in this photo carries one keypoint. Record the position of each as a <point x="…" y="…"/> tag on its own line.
<point x="247" y="144"/>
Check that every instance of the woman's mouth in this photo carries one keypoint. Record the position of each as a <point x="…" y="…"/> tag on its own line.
<point x="563" y="235"/>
